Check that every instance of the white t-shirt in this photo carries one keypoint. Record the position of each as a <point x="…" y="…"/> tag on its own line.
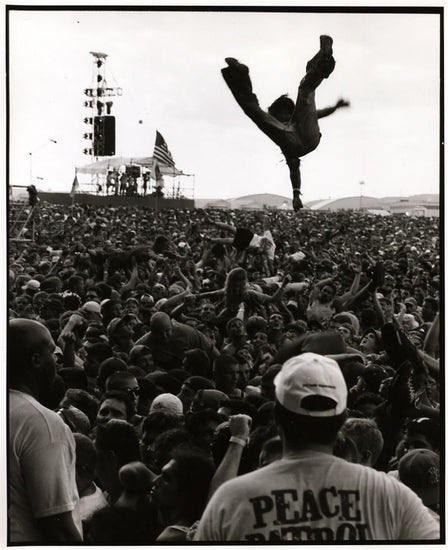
<point x="41" y="466"/>
<point x="256" y="242"/>
<point x="88" y="505"/>
<point x="315" y="497"/>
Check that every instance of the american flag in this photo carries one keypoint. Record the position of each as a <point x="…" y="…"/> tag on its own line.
<point x="157" y="174"/>
<point x="161" y="152"/>
<point x="75" y="186"/>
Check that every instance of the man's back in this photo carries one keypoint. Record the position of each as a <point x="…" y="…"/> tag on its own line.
<point x="41" y="467"/>
<point x="315" y="497"/>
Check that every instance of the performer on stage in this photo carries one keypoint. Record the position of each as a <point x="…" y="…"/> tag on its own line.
<point x="292" y="126"/>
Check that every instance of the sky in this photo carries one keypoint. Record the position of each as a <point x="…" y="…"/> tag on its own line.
<point x="168" y="66"/>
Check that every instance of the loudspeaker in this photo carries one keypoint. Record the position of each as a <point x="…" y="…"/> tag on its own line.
<point x="104" y="136"/>
<point x="133" y="171"/>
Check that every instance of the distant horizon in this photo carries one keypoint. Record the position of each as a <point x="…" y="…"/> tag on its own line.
<point x="24" y="193"/>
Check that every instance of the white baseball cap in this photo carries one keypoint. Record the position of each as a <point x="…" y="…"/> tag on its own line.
<point x="93" y="307"/>
<point x="167" y="402"/>
<point x="311" y="385"/>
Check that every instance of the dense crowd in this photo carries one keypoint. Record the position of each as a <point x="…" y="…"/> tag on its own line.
<point x="167" y="332"/>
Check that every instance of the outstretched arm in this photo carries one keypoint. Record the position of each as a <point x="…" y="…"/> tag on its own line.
<point x="321" y="113"/>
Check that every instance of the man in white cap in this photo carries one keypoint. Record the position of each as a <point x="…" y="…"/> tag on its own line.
<point x="309" y="494"/>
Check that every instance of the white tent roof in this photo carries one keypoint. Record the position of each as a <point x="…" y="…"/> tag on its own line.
<point x="102" y="166"/>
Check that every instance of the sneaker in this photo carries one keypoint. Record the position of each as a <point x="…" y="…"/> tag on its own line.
<point x="235" y="64"/>
<point x="323" y="62"/>
<point x="326" y="45"/>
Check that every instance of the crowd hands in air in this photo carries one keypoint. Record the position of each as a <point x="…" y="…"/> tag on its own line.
<point x="167" y="340"/>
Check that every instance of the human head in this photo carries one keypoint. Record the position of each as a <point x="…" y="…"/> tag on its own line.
<point x="255" y="324"/>
<point x="327" y="293"/>
<point x="310" y="401"/>
<point x="189" y="388"/>
<point x="126" y="382"/>
<point x="367" y="438"/>
<point x="207" y="313"/>
<point x="116" y="444"/>
<point x="115" y="404"/>
<point x="282" y="108"/>
<point x="167" y="402"/>
<point x="161" y="326"/>
<point x="76" y="420"/>
<point x="30" y="355"/>
<point x="226" y="373"/>
<point x="276" y="321"/>
<point x="202" y="426"/>
<point x="370" y="341"/>
<point x="235" y="286"/>
<point x="259" y="340"/>
<point x="422" y="433"/>
<point x="270" y="451"/>
<point x="235" y="329"/>
<point x="156" y="423"/>
<point x="108" y="367"/>
<point x="208" y="399"/>
<point x="82" y="400"/>
<point x="184" y="484"/>
<point x="140" y="356"/>
<point x="347" y="332"/>
<point x="131" y="305"/>
<point x="419" y="469"/>
<point x="119" y="332"/>
<point x="430" y="308"/>
<point x="367" y="403"/>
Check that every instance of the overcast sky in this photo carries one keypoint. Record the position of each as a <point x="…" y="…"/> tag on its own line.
<point x="168" y="65"/>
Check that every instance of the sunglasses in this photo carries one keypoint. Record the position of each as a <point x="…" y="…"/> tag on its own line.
<point x="134" y="391"/>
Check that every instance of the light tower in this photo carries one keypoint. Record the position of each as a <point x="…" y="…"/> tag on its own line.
<point x="101" y="133"/>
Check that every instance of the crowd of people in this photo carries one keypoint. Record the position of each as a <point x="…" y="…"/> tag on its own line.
<point x="221" y="375"/>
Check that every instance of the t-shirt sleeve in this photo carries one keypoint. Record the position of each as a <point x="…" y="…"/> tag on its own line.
<point x="416" y="521"/>
<point x="49" y="475"/>
<point x="207" y="529"/>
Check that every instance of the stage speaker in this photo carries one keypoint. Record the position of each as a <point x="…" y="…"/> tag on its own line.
<point x="133" y="171"/>
<point x="104" y="136"/>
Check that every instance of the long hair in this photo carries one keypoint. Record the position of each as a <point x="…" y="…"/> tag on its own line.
<point x="235" y="288"/>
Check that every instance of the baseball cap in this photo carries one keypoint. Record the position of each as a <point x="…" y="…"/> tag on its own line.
<point x="208" y="399"/>
<point x="419" y="469"/>
<point x="311" y="385"/>
<point x="114" y="325"/>
<point x="76" y="420"/>
<point x="167" y="402"/>
<point x="91" y="306"/>
<point x="32" y="284"/>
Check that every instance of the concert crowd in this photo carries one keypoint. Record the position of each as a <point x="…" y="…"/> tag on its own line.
<point x="155" y="345"/>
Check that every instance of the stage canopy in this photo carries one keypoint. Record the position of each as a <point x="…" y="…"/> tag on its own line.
<point x="102" y="166"/>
